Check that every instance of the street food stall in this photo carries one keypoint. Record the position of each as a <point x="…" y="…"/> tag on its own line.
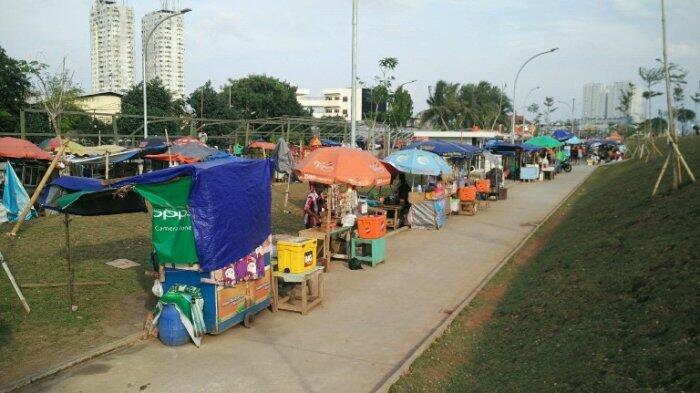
<point x="430" y="205"/>
<point x="211" y="226"/>
<point x="333" y="167"/>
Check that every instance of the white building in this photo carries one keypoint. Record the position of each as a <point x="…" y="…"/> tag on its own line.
<point x="166" y="50"/>
<point x="594" y="101"/>
<point x="601" y="101"/>
<point x="332" y="103"/>
<point x="111" y="46"/>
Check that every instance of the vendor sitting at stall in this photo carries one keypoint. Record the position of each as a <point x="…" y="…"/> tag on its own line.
<point x="403" y="189"/>
<point x="312" y="207"/>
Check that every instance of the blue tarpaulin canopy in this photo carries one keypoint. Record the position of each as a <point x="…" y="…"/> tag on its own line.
<point x="419" y="162"/>
<point x="562" y="135"/>
<point x="229" y="201"/>
<point x="445" y="149"/>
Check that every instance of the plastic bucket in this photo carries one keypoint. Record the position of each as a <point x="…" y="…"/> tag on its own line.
<point x="171" y="331"/>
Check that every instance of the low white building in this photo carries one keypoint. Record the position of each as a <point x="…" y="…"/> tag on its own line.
<point x="331" y="103"/>
<point x="475" y="138"/>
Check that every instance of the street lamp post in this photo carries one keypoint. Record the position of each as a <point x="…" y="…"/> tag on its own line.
<point x="515" y="84"/>
<point x="353" y="94"/>
<point x="144" y="55"/>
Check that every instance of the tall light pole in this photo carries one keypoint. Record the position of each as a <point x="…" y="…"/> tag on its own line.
<point x="144" y="55"/>
<point x="353" y="94"/>
<point x="571" y="107"/>
<point x="515" y="85"/>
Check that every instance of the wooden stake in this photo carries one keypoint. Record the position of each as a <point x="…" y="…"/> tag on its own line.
<point x="62" y="284"/>
<point x="286" y="193"/>
<point x="107" y="166"/>
<point x="39" y="188"/>
<point x="66" y="222"/>
<point x="661" y="174"/>
<point x="14" y="284"/>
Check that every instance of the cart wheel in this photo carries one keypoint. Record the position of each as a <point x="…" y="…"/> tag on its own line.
<point x="248" y="320"/>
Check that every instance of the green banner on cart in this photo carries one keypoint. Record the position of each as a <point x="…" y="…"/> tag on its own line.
<point x="173" y="236"/>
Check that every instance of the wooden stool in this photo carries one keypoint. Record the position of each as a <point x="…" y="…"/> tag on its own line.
<point x="467" y="208"/>
<point x="311" y="281"/>
<point x="483" y="200"/>
<point x="377" y="250"/>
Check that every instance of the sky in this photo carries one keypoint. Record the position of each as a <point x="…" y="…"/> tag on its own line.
<point x="308" y="42"/>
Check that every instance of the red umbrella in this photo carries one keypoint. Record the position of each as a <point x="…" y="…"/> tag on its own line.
<point x="22" y="149"/>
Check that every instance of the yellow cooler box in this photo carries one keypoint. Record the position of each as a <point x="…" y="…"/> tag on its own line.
<point x="296" y="255"/>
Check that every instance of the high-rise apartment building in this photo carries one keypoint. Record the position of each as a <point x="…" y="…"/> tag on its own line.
<point x="601" y="101"/>
<point x="111" y="46"/>
<point x="166" y="50"/>
<point x="594" y="101"/>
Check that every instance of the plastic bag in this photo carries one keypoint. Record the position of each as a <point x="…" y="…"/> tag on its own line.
<point x="157" y="288"/>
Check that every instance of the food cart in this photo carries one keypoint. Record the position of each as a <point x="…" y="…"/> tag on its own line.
<point x="211" y="226"/>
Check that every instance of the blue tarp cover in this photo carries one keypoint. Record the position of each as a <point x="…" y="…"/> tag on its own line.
<point x="230" y="202"/>
<point x="442" y="148"/>
<point x="561" y="135"/>
<point x="14" y="196"/>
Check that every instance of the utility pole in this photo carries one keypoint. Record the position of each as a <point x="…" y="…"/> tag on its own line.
<point x="353" y="94"/>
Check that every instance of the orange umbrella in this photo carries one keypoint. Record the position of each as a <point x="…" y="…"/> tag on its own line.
<point x="331" y="165"/>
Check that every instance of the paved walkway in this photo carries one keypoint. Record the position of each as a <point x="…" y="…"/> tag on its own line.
<point x="370" y="321"/>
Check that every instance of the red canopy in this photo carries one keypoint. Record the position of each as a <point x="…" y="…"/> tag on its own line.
<point x="22" y="149"/>
<point x="262" y="145"/>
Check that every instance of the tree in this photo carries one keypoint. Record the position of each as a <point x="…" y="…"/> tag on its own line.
<point x="625" y="105"/>
<point x="55" y="91"/>
<point x="483" y="105"/>
<point x="262" y="96"/>
<point x="650" y="76"/>
<point x="443" y="106"/>
<point x="380" y="95"/>
<point x="206" y="102"/>
<point x="548" y="109"/>
<point x="400" y="108"/>
<point x="535" y="110"/>
<point x="15" y="87"/>
<point x="684" y="115"/>
<point x="160" y="104"/>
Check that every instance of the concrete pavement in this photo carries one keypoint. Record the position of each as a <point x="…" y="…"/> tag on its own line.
<point x="370" y="321"/>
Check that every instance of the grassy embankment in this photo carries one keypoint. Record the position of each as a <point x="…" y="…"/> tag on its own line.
<point x="51" y="334"/>
<point x="605" y="297"/>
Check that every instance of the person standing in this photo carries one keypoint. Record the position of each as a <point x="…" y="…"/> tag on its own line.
<point x="312" y="208"/>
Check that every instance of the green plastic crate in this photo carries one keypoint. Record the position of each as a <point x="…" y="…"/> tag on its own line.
<point x="369" y="251"/>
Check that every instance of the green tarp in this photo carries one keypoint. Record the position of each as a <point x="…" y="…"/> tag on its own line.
<point x="173" y="237"/>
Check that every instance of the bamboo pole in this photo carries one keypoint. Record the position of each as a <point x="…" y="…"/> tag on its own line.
<point x="71" y="274"/>
<point x="39" y="188"/>
<point x="107" y="166"/>
<point x="14" y="284"/>
<point x="661" y="175"/>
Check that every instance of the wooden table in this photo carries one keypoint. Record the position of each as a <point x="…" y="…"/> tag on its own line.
<point x="320" y="234"/>
<point x="393" y="220"/>
<point x="313" y="280"/>
<point x="549" y="173"/>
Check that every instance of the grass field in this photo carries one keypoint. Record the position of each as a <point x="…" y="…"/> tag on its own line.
<point x="50" y="333"/>
<point x="605" y="298"/>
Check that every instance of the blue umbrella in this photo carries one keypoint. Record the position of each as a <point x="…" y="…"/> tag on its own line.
<point x="574" y="140"/>
<point x="441" y="148"/>
<point x="419" y="162"/>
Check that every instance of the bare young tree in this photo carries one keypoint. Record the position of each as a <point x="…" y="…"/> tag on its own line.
<point x="55" y="91"/>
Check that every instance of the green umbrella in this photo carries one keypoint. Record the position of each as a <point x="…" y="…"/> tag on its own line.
<point x="545" y="141"/>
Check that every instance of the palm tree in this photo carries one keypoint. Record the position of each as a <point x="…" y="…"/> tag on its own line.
<point x="443" y="105"/>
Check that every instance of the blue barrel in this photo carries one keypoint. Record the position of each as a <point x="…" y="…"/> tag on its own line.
<point x="171" y="331"/>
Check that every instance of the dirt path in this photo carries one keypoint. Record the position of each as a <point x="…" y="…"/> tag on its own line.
<point x="371" y="321"/>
